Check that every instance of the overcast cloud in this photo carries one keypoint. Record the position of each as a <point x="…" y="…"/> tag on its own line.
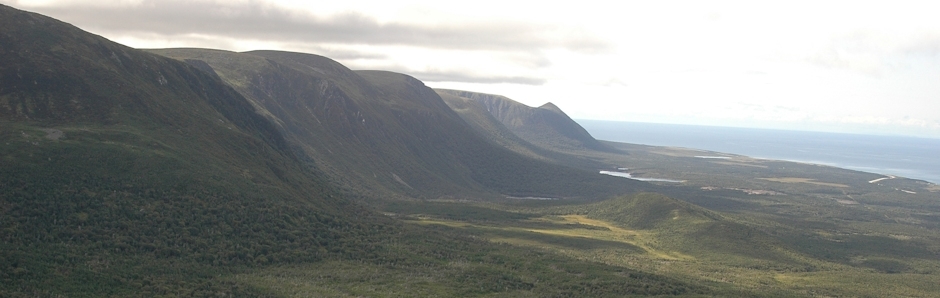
<point x="434" y="75"/>
<point x="258" y="20"/>
<point x="849" y="66"/>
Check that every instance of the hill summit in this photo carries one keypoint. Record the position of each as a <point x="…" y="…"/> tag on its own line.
<point x="546" y="126"/>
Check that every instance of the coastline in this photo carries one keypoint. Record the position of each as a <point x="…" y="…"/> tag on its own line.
<point x="910" y="158"/>
<point x="888" y="173"/>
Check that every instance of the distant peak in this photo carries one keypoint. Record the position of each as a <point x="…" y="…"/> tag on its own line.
<point x="552" y="107"/>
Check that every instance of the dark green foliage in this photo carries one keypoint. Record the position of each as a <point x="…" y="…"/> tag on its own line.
<point x="880" y="251"/>
<point x="453" y="211"/>
<point x="124" y="173"/>
<point x="98" y="205"/>
<point x="494" y="268"/>
<point x="157" y="163"/>
<point x="886" y="265"/>
<point x="166" y="182"/>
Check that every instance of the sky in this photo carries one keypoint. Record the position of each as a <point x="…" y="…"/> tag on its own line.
<point x="839" y="66"/>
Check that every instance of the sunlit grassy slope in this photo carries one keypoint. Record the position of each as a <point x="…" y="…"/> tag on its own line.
<point x="683" y="241"/>
<point x="124" y="173"/>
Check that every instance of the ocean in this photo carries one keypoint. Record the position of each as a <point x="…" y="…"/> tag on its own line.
<point x="916" y="158"/>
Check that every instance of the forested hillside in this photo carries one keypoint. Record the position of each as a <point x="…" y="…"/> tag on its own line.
<point x="125" y="173"/>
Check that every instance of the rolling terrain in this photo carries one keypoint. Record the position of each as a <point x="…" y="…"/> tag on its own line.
<point x="126" y="173"/>
<point x="199" y="172"/>
<point x="778" y="228"/>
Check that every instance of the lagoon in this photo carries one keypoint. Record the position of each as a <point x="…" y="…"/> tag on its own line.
<point x="629" y="176"/>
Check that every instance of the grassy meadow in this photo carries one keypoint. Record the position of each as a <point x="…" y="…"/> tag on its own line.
<point x="759" y="227"/>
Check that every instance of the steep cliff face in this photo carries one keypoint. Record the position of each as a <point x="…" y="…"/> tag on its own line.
<point x="546" y="126"/>
<point x="377" y="132"/>
<point x="346" y="126"/>
<point x="475" y="114"/>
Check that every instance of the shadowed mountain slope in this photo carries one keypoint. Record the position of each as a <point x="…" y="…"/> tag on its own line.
<point x="320" y="105"/>
<point x="127" y="174"/>
<point x="545" y="126"/>
<point x="385" y="133"/>
<point x="474" y="112"/>
<point x="119" y="166"/>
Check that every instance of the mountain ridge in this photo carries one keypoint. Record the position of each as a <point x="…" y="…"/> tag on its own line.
<point x="546" y="126"/>
<point x="397" y="136"/>
<point x="267" y="173"/>
<point x="154" y="167"/>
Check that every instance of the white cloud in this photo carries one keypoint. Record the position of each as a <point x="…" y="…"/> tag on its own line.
<point x="867" y="66"/>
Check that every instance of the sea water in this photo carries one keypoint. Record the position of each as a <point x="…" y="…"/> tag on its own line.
<point x="916" y="158"/>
